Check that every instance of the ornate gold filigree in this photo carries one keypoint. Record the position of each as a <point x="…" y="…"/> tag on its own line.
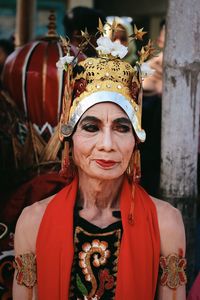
<point x="25" y="265"/>
<point x="173" y="267"/>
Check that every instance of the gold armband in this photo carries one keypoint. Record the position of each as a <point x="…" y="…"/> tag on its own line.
<point x="173" y="274"/>
<point x="25" y="265"/>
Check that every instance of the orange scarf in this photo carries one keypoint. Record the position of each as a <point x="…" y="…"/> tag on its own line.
<point x="139" y="252"/>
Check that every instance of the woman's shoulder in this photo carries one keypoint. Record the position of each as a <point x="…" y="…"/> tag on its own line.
<point x="172" y="232"/>
<point x="164" y="209"/>
<point x="28" y="225"/>
<point x="34" y="213"/>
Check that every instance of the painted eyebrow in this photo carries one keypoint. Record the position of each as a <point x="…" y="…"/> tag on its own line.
<point x="89" y="118"/>
<point x="95" y="119"/>
<point x="122" y="120"/>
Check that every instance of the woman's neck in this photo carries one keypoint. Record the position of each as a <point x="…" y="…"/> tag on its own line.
<point x="100" y="194"/>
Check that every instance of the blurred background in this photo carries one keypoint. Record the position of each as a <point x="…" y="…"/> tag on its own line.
<point x="147" y="13"/>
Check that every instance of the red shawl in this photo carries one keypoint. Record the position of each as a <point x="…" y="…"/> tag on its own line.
<point x="139" y="253"/>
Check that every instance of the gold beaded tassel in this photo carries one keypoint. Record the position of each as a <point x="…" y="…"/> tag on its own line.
<point x="137" y="165"/>
<point x="65" y="161"/>
<point x="66" y="105"/>
<point x="134" y="174"/>
<point x="67" y="101"/>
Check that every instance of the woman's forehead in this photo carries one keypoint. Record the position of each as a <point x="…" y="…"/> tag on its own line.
<point x="107" y="109"/>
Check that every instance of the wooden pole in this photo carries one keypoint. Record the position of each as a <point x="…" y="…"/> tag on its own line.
<point x="26" y="10"/>
<point x="180" y="113"/>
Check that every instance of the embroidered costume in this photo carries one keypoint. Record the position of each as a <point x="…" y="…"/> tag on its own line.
<point x="94" y="270"/>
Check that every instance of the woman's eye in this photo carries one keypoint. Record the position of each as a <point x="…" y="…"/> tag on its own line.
<point x="122" y="128"/>
<point x="90" y="127"/>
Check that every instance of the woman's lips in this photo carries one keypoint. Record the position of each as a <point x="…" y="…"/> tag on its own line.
<point x="105" y="163"/>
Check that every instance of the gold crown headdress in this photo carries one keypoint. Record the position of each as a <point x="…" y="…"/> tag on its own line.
<point x="106" y="78"/>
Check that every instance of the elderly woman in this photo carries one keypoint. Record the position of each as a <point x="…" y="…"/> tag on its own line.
<point x="102" y="236"/>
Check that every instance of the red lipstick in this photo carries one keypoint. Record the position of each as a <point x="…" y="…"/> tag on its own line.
<point x="105" y="163"/>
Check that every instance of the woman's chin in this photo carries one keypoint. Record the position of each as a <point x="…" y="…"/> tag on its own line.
<point x="105" y="174"/>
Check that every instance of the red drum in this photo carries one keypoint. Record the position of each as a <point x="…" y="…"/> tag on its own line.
<point x="33" y="81"/>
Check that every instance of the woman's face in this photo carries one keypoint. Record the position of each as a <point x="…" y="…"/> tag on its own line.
<point x="103" y="142"/>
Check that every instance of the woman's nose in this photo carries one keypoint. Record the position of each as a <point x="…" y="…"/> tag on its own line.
<point x="105" y="141"/>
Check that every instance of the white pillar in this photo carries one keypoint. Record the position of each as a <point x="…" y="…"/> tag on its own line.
<point x="180" y="103"/>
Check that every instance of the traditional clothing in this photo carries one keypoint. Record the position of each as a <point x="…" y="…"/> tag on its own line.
<point x="139" y="254"/>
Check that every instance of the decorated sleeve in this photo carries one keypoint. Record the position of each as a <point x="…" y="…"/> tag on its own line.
<point x="25" y="265"/>
<point x="173" y="271"/>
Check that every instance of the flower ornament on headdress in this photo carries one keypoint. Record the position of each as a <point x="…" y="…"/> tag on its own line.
<point x="68" y="59"/>
<point x="106" y="46"/>
<point x="64" y="61"/>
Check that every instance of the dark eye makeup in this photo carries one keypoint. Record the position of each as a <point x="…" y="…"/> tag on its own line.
<point x="90" y="127"/>
<point x="93" y="124"/>
<point x="121" y="128"/>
